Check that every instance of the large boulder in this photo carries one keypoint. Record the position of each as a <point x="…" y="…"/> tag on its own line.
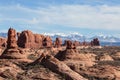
<point x="101" y="72"/>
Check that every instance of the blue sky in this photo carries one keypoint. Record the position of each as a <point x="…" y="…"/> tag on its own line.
<point x="83" y="16"/>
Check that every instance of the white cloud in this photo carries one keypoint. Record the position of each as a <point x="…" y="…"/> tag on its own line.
<point x="80" y="16"/>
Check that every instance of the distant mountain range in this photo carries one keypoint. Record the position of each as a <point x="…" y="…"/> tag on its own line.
<point x="81" y="38"/>
<point x="77" y="37"/>
<point x="3" y="35"/>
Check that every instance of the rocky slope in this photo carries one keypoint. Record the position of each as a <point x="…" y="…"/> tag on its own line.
<point x="85" y="64"/>
<point x="57" y="62"/>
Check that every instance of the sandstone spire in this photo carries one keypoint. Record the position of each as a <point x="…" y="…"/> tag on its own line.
<point x="58" y="42"/>
<point x="11" y="41"/>
<point x="12" y="51"/>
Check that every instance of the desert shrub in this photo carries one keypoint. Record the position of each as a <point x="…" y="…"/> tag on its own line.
<point x="32" y="57"/>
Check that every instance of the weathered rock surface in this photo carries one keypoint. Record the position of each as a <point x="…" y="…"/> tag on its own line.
<point x="100" y="73"/>
<point x="61" y="68"/>
<point x="105" y="57"/>
<point x="74" y="55"/>
<point x="68" y="62"/>
<point x="11" y="41"/>
<point x="67" y="54"/>
<point x="12" y="51"/>
<point x="47" y="42"/>
<point x="38" y="40"/>
<point x="58" y="42"/>
<point x="116" y="56"/>
<point x="76" y="43"/>
<point x="3" y="42"/>
<point x="70" y="45"/>
<point x="27" y="39"/>
<point x="8" y="69"/>
<point x="95" y="42"/>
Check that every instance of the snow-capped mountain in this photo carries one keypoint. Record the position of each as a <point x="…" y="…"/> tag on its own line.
<point x="78" y="37"/>
<point x="69" y="36"/>
<point x="107" y="38"/>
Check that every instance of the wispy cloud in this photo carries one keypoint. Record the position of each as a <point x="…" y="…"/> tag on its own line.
<point x="77" y="16"/>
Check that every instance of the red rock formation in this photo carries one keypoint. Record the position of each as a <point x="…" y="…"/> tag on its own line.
<point x="65" y="43"/>
<point x="11" y="42"/>
<point x="70" y="45"/>
<point x="95" y="42"/>
<point x="61" y="68"/>
<point x="12" y="51"/>
<point x="57" y="66"/>
<point x="84" y="43"/>
<point x="76" y="43"/>
<point x="18" y="34"/>
<point x="2" y="42"/>
<point x="38" y="40"/>
<point x="58" y="42"/>
<point x="91" y="43"/>
<point x="27" y="39"/>
<point x="47" y="42"/>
